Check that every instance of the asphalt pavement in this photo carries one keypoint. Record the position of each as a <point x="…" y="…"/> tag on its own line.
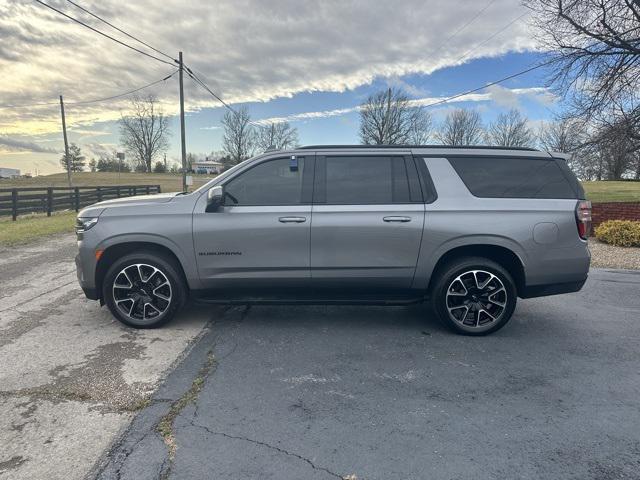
<point x="387" y="393"/>
<point x="71" y="376"/>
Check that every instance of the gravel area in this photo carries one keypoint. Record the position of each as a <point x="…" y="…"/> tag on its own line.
<point x="608" y="256"/>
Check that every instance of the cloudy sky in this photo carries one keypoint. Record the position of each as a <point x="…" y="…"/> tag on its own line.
<point x="310" y="63"/>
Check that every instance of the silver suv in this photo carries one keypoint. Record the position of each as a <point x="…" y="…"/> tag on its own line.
<point x="467" y="229"/>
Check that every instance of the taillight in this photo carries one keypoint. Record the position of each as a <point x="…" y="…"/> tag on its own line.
<point x="583" y="218"/>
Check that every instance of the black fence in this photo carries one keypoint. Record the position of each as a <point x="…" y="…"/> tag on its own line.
<point x="23" y="201"/>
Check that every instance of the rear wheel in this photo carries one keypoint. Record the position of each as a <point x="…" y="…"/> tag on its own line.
<point x="143" y="290"/>
<point x="474" y="296"/>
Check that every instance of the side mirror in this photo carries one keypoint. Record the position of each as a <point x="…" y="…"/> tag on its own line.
<point x="215" y="198"/>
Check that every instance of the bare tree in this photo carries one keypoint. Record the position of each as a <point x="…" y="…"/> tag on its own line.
<point x="461" y="127"/>
<point x="421" y="128"/>
<point x="145" y="131"/>
<point x="389" y="118"/>
<point x="279" y="135"/>
<point x="238" y="141"/>
<point x="563" y="135"/>
<point x="510" y="129"/>
<point x="570" y="136"/>
<point x="594" y="50"/>
<point x="617" y="150"/>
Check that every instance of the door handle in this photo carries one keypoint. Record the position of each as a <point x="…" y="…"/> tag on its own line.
<point x="292" y="219"/>
<point x="396" y="219"/>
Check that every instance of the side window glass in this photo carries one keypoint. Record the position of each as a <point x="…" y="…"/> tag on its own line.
<point x="366" y="180"/>
<point x="504" y="177"/>
<point x="275" y="182"/>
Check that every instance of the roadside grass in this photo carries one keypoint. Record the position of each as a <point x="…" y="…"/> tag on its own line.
<point x="169" y="182"/>
<point x="32" y="227"/>
<point x="611" y="191"/>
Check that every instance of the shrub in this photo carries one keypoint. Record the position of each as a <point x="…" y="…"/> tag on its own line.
<point x="621" y="233"/>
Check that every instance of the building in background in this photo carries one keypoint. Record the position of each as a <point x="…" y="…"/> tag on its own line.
<point x="207" y="166"/>
<point x="9" y="172"/>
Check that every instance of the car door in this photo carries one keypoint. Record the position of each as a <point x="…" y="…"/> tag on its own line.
<point x="260" y="236"/>
<point x="368" y="217"/>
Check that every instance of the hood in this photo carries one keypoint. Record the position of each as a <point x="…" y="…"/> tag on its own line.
<point x="138" y="200"/>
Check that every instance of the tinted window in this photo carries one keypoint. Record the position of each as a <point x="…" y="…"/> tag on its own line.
<point x="366" y="180"/>
<point x="506" y="177"/>
<point x="275" y="182"/>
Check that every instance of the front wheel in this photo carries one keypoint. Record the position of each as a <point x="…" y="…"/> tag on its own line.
<point x="474" y="296"/>
<point x="143" y="290"/>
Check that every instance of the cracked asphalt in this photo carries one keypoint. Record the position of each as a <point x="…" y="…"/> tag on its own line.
<point x="71" y="377"/>
<point x="387" y="393"/>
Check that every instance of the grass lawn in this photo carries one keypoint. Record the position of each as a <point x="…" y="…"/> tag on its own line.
<point x="605" y="191"/>
<point x="33" y="227"/>
<point x="169" y="182"/>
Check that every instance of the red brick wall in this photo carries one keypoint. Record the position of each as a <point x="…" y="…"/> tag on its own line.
<point x="615" y="211"/>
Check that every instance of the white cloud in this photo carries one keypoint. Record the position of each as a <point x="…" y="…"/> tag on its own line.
<point x="540" y="94"/>
<point x="247" y="50"/>
<point x="510" y="98"/>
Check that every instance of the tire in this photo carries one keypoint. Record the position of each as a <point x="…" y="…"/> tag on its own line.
<point x="144" y="290"/>
<point x="474" y="296"/>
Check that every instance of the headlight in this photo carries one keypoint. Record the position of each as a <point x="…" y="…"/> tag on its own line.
<point x="85" y="223"/>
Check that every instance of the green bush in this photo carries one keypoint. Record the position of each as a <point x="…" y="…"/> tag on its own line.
<point x="621" y="233"/>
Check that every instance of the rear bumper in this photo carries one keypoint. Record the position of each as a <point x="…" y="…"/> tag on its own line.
<point x="552" y="289"/>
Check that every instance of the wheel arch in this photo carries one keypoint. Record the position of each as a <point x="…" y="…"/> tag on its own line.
<point x="117" y="250"/>
<point x="500" y="254"/>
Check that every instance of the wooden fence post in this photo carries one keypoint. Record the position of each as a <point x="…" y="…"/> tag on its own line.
<point x="158" y="188"/>
<point x="14" y="204"/>
<point x="99" y="193"/>
<point x="49" y="201"/>
<point x="77" y="192"/>
<point x="135" y="191"/>
<point x="147" y="189"/>
<point x="118" y="191"/>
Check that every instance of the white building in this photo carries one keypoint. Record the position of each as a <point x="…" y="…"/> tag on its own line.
<point x="9" y="172"/>
<point x="207" y="166"/>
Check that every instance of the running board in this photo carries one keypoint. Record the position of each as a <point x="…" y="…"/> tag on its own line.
<point x="310" y="301"/>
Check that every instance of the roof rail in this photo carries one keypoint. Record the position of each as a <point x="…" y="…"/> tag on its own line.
<point x="480" y="147"/>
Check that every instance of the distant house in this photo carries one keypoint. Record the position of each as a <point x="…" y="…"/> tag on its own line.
<point x="9" y="172"/>
<point x="207" y="167"/>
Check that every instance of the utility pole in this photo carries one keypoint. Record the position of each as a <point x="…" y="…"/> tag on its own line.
<point x="182" y="139"/>
<point x="66" y="144"/>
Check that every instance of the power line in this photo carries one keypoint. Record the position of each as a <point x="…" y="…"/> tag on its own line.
<point x="120" y="30"/>
<point x="123" y="94"/>
<point x="97" y="100"/>
<point x="480" y="12"/>
<point x="103" y="34"/>
<point x="495" y="34"/>
<point x="495" y="82"/>
<point x="195" y="78"/>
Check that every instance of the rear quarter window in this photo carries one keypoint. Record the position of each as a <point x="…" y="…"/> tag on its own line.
<point x="513" y="177"/>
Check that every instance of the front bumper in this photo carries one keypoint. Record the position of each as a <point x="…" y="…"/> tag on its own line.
<point x="85" y="278"/>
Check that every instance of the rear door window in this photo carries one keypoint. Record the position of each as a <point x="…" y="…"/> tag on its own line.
<point x="513" y="177"/>
<point x="361" y="180"/>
